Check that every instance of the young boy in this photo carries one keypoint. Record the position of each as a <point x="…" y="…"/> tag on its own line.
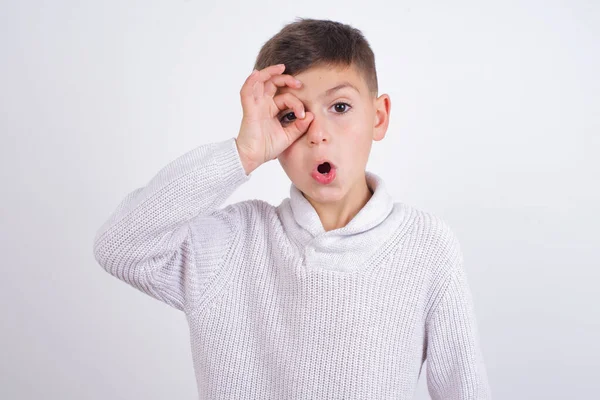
<point x="337" y="293"/>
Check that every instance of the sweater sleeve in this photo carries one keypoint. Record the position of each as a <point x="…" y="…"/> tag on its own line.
<point x="455" y="364"/>
<point x="168" y="238"/>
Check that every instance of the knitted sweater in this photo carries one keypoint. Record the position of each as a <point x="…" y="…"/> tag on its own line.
<point x="278" y="308"/>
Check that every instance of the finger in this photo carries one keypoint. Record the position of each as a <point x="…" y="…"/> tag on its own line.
<point x="299" y="127"/>
<point x="263" y="76"/>
<point x="249" y="89"/>
<point x="266" y="73"/>
<point x="246" y="95"/>
<point x="278" y="81"/>
<point x="288" y="101"/>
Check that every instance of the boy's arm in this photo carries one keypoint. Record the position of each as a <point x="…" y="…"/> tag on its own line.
<point x="168" y="238"/>
<point x="455" y="364"/>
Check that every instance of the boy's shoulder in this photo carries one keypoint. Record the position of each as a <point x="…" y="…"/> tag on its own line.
<point x="429" y="232"/>
<point x="249" y="212"/>
<point x="252" y="207"/>
<point x="431" y="224"/>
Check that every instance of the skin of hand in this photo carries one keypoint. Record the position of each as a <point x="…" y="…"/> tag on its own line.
<point x="262" y="137"/>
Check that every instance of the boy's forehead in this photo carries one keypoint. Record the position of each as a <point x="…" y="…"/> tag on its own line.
<point x="325" y="80"/>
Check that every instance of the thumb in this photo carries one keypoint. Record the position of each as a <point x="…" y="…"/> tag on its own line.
<point x="300" y="126"/>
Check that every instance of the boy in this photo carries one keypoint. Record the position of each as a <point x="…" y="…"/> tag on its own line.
<point x="338" y="292"/>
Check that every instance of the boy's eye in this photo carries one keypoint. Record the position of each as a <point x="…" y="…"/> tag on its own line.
<point x="290" y="115"/>
<point x="341" y="107"/>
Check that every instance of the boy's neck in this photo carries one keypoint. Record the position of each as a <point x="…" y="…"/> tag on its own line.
<point x="337" y="215"/>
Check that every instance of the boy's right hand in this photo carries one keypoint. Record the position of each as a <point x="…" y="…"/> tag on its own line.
<point x="262" y="137"/>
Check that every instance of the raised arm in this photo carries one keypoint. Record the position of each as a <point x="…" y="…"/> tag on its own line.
<point x="168" y="237"/>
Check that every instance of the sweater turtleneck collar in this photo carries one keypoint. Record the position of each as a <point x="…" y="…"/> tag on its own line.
<point x="373" y="212"/>
<point x="365" y="231"/>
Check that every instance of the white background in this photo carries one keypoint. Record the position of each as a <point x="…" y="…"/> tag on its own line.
<point x="495" y="127"/>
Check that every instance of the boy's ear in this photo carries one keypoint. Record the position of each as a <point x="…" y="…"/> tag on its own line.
<point x="383" y="106"/>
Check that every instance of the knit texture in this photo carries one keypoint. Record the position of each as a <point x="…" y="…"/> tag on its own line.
<point x="278" y="308"/>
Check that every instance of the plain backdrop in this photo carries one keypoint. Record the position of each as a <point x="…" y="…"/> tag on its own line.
<point x="495" y="127"/>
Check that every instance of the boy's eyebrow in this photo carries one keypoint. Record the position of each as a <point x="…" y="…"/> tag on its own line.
<point x="339" y="87"/>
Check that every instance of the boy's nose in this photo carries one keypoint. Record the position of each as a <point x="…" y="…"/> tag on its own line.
<point x="316" y="132"/>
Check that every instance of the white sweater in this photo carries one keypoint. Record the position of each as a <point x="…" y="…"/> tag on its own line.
<point x="280" y="309"/>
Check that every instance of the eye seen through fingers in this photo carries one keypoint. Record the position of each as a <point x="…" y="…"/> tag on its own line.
<point x="340" y="108"/>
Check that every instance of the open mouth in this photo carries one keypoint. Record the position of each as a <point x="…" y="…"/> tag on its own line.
<point x="324" y="172"/>
<point x="324" y="168"/>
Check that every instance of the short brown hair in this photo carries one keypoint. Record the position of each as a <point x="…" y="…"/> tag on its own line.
<point x="307" y="43"/>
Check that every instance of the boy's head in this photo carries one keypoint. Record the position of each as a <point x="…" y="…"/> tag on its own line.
<point x="325" y="55"/>
<point x="308" y="43"/>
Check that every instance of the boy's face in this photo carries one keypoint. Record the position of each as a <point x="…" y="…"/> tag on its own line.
<point x="346" y="121"/>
